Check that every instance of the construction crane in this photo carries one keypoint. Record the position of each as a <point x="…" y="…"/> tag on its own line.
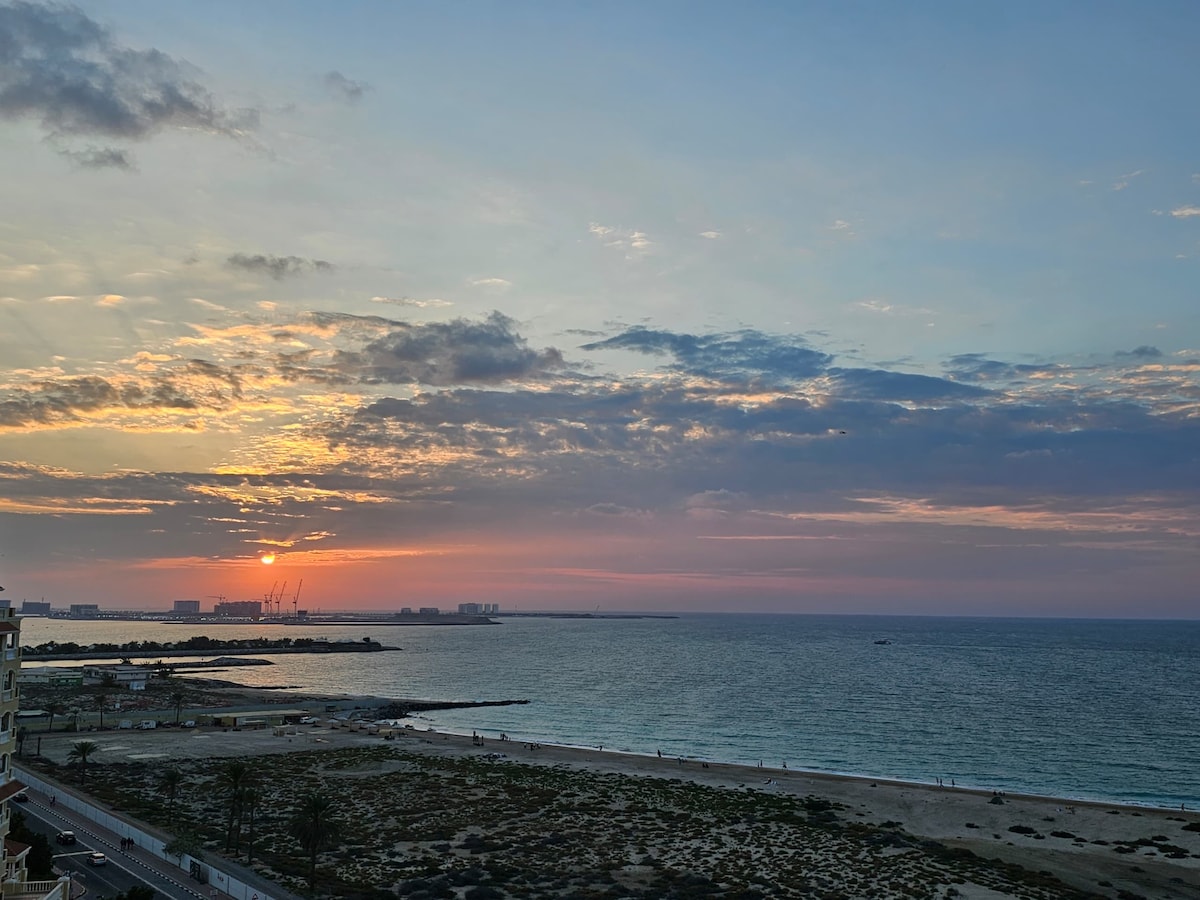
<point x="296" y="600"/>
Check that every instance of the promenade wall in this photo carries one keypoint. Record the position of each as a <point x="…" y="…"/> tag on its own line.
<point x="227" y="877"/>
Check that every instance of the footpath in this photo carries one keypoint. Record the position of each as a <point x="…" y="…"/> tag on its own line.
<point x="138" y="848"/>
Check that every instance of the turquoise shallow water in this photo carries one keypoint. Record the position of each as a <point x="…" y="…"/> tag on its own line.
<point x="1084" y="709"/>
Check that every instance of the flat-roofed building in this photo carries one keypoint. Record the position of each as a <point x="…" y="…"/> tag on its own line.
<point x="84" y="611"/>
<point x="241" y="609"/>
<point x="186" y="607"/>
<point x="35" y="608"/>
<point x="126" y="675"/>
<point x="55" y="676"/>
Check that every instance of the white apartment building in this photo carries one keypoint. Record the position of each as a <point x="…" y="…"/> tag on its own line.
<point x="16" y="884"/>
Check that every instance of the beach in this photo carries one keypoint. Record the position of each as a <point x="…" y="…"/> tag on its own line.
<point x="432" y="802"/>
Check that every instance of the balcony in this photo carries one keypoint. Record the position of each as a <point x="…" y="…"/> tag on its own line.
<point x="8" y="696"/>
<point x="38" y="890"/>
<point x="12" y="652"/>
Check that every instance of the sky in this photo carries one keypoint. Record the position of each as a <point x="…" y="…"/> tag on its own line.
<point x="841" y="307"/>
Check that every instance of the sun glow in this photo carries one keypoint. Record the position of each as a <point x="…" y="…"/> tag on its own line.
<point x="267" y="558"/>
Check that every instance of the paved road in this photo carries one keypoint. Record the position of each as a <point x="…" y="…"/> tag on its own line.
<point x="123" y="870"/>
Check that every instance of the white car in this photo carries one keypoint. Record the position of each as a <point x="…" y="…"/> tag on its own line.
<point x="97" y="859"/>
<point x="308" y="720"/>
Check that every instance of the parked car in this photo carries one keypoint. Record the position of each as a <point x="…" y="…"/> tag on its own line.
<point x="97" y="859"/>
<point x="22" y="797"/>
<point x="65" y="837"/>
<point x="308" y="720"/>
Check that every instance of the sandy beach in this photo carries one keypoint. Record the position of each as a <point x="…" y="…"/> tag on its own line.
<point x="435" y="803"/>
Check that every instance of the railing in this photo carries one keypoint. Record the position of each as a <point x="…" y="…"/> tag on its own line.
<point x="6" y="736"/>
<point x="6" y="696"/>
<point x="12" y="652"/>
<point x="31" y="889"/>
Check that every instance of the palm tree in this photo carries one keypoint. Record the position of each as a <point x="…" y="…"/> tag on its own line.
<point x="177" y="698"/>
<point x="250" y="797"/>
<point x="315" y="826"/>
<point x="55" y="709"/>
<point x="169" y="783"/>
<point x="102" y="694"/>
<point x="235" y="777"/>
<point x="80" y="752"/>
<point x="22" y="734"/>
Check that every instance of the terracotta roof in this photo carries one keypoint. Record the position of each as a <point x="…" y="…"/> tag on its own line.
<point x="9" y="626"/>
<point x="10" y="790"/>
<point x="13" y="849"/>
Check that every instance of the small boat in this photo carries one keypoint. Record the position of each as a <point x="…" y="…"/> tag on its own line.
<point x="884" y="641"/>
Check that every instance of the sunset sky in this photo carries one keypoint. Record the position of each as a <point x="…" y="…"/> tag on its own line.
<point x="829" y="307"/>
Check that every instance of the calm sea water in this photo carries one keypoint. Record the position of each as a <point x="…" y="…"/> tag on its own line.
<point x="1083" y="709"/>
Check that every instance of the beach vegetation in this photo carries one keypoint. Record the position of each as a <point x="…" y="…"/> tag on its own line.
<point x="315" y="826"/>
<point x="54" y="708"/>
<point x="234" y="778"/>
<point x="169" y="783"/>
<point x="80" y="753"/>
<point x="443" y="826"/>
<point x="185" y="843"/>
<point x="101" y="695"/>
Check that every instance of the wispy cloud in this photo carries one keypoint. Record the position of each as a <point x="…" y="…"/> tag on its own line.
<point x="501" y="283"/>
<point x="717" y="355"/>
<point x="1185" y="212"/>
<point x="1122" y="181"/>
<point x="278" y="267"/>
<point x="883" y="308"/>
<point x="430" y="303"/>
<point x="100" y="158"/>
<point x="634" y="243"/>
<point x="344" y="88"/>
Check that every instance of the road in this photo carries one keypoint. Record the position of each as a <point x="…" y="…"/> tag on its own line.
<point x="123" y="870"/>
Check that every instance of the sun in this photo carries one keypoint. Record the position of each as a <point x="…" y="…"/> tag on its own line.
<point x="267" y="558"/>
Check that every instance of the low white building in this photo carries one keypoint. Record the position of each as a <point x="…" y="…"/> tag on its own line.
<point x="125" y="675"/>
<point x="55" y="676"/>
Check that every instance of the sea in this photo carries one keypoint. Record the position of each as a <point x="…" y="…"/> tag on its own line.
<point x="1079" y="709"/>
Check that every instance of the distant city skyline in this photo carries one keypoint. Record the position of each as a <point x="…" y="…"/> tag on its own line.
<point x="861" y="308"/>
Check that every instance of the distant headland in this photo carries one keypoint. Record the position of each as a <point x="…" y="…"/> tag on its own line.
<point x="197" y="646"/>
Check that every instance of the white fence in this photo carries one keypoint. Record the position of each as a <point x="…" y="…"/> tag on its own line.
<point x="217" y="877"/>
